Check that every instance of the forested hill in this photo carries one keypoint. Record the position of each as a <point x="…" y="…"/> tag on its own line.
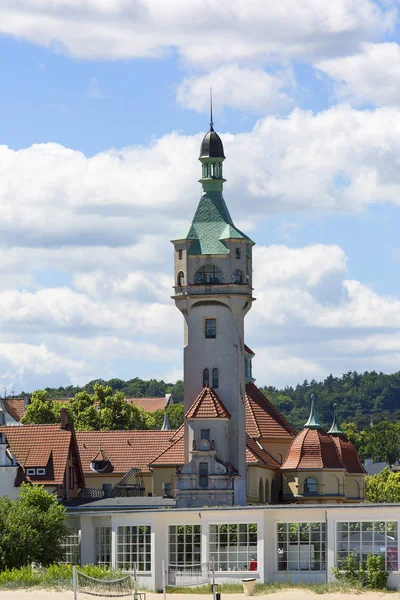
<point x="134" y="388"/>
<point x="360" y="397"/>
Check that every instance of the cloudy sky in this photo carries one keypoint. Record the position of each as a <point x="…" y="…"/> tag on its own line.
<point x="103" y="105"/>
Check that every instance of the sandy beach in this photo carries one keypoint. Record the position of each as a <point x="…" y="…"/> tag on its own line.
<point x="294" y="594"/>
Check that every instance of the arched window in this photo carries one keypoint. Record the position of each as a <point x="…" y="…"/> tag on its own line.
<point x="206" y="377"/>
<point x="237" y="276"/>
<point x="267" y="498"/>
<point x="310" y="486"/>
<point x="209" y="274"/>
<point x="215" y="378"/>
<point x="180" y="280"/>
<point x="261" y="492"/>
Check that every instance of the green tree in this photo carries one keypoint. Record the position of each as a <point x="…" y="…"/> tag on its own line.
<point x="32" y="529"/>
<point x="383" y="487"/>
<point x="42" y="409"/>
<point x="175" y="412"/>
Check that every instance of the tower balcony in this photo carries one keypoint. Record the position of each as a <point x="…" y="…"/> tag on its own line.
<point x="212" y="289"/>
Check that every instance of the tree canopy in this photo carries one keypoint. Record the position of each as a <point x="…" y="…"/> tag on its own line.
<point x="102" y="410"/>
<point x="383" y="487"/>
<point x="32" y="529"/>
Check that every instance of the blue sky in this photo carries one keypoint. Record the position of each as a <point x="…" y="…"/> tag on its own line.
<point x="103" y="107"/>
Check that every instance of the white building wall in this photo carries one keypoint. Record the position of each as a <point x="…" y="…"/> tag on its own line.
<point x="266" y="519"/>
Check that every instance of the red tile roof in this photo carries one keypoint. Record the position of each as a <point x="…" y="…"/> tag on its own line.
<point x="173" y="456"/>
<point x="34" y="445"/>
<point x="149" y="404"/>
<point x="259" y="456"/>
<point x="263" y="419"/>
<point x="348" y="454"/>
<point x="313" y="449"/>
<point x="124" y="449"/>
<point x="207" y="406"/>
<point x="15" y="407"/>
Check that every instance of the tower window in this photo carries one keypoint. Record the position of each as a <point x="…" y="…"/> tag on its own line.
<point x="203" y="475"/>
<point x="180" y="280"/>
<point x="206" y="377"/>
<point x="209" y="274"/>
<point x="210" y="328"/>
<point x="215" y="378"/>
<point x="237" y="276"/>
<point x="237" y="253"/>
<point x="180" y="254"/>
<point x="205" y="435"/>
<point x="310" y="486"/>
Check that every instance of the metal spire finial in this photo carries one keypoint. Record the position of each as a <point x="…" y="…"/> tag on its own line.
<point x="313" y="422"/>
<point x="335" y="427"/>
<point x="211" y="115"/>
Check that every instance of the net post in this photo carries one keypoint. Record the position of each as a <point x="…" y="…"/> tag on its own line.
<point x="163" y="581"/>
<point x="74" y="582"/>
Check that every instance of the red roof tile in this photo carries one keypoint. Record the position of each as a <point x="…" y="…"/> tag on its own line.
<point x="255" y="455"/>
<point x="149" y="404"/>
<point x="313" y="449"/>
<point x="173" y="456"/>
<point x="34" y="444"/>
<point x="348" y="454"/>
<point x="15" y="407"/>
<point x="263" y="419"/>
<point x="124" y="449"/>
<point x="207" y="406"/>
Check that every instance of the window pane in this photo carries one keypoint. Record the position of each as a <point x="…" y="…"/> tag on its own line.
<point x="305" y="549"/>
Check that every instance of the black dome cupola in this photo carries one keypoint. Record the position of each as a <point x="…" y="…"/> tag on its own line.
<point x="211" y="146"/>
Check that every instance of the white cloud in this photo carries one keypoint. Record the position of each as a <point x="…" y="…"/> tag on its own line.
<point x="100" y="227"/>
<point x="203" y="33"/>
<point x="371" y="76"/>
<point x="241" y="88"/>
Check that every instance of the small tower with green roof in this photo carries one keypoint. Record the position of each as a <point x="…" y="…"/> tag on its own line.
<point x="213" y="290"/>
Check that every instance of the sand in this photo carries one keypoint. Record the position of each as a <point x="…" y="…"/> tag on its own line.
<point x="294" y="594"/>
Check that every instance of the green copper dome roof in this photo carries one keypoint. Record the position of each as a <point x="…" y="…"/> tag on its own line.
<point x="313" y="422"/>
<point x="335" y="427"/>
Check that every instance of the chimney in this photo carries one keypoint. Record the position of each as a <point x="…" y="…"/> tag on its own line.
<point x="64" y="419"/>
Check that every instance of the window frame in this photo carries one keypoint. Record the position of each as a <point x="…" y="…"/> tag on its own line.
<point x="316" y="493"/>
<point x="206" y="377"/>
<point x="205" y="438"/>
<point x="145" y="552"/>
<point x="41" y="471"/>
<point x="215" y="378"/>
<point x="372" y="542"/>
<point x="250" y="550"/>
<point x="322" y="541"/>
<point x="180" y="254"/>
<point x="238" y="253"/>
<point x="30" y="471"/>
<point x="185" y="553"/>
<point x="72" y="544"/>
<point x="103" y="545"/>
<point x="203" y="477"/>
<point x="210" y="337"/>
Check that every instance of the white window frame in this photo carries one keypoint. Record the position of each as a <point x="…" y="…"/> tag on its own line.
<point x="103" y="545"/>
<point x="249" y="550"/>
<point x="395" y="544"/>
<point x="72" y="543"/>
<point x="31" y="471"/>
<point x="146" y="551"/>
<point x="322" y="530"/>
<point x="185" y="564"/>
<point x="41" y="471"/>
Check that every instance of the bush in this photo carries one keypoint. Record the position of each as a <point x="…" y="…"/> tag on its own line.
<point x="53" y="576"/>
<point x="373" y="577"/>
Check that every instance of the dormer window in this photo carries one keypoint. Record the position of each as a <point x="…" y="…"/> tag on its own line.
<point x="99" y="465"/>
<point x="31" y="471"/>
<point x="41" y="471"/>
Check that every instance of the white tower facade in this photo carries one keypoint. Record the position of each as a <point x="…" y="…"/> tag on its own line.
<point x="213" y="290"/>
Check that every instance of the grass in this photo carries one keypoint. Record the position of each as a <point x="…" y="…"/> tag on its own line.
<point x="54" y="576"/>
<point x="271" y="588"/>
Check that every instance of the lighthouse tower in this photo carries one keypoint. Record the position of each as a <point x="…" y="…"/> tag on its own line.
<point x="213" y="291"/>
